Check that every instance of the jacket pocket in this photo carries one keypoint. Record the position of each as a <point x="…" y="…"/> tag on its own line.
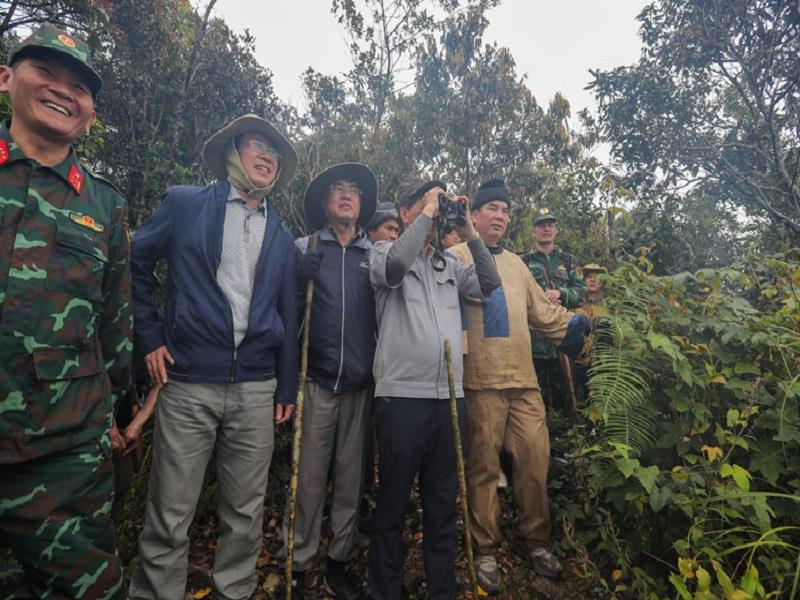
<point x="77" y="263"/>
<point x="58" y="364"/>
<point x="447" y="289"/>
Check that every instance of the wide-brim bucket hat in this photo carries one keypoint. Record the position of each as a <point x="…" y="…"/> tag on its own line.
<point x="361" y="175"/>
<point x="216" y="147"/>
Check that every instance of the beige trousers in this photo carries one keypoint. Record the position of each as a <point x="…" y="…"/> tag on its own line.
<point x="513" y="419"/>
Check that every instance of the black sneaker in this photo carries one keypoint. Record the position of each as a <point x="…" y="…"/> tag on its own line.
<point x="340" y="583"/>
<point x="298" y="585"/>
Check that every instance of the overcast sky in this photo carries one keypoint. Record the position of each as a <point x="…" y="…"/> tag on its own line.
<point x="554" y="42"/>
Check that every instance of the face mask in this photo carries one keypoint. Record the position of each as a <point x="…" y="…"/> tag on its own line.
<point x="239" y="179"/>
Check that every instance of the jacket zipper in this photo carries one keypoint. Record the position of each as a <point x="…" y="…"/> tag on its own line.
<point x="232" y="376"/>
<point x="341" y="333"/>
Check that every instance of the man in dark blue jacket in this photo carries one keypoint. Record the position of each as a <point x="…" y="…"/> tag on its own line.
<point x="225" y="348"/>
<point x="338" y="203"/>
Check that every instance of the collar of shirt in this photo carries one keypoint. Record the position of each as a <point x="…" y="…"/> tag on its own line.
<point x="65" y="169"/>
<point x="234" y="195"/>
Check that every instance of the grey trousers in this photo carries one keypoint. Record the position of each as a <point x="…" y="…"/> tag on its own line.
<point x="333" y="433"/>
<point x="191" y="420"/>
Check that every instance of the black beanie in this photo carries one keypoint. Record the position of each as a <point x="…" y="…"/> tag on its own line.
<point x="493" y="189"/>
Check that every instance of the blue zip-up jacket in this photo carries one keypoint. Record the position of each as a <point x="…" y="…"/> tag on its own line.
<point x="341" y="344"/>
<point x="197" y="326"/>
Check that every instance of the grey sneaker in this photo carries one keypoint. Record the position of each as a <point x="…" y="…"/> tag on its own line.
<point x="489" y="577"/>
<point x="545" y="563"/>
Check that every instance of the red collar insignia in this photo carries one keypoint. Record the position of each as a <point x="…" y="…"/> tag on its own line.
<point x="5" y="155"/>
<point x="75" y="179"/>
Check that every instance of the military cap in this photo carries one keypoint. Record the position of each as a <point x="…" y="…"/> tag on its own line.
<point x="384" y="212"/>
<point x="49" y="38"/>
<point x="216" y="147"/>
<point x="543" y="214"/>
<point x="412" y="188"/>
<point x="364" y="178"/>
<point x="594" y="268"/>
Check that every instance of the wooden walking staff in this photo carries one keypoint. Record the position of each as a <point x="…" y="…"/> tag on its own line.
<point x="298" y="428"/>
<point x="462" y="480"/>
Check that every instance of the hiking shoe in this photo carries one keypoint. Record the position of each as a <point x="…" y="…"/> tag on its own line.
<point x="298" y="585"/>
<point x="541" y="560"/>
<point x="488" y="573"/>
<point x="340" y="583"/>
<point x="545" y="563"/>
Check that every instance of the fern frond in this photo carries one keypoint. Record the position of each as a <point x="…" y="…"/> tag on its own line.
<point x="619" y="392"/>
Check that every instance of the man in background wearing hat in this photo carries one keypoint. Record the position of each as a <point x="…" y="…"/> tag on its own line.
<point x="225" y="348"/>
<point x="504" y="404"/>
<point x="65" y="325"/>
<point x="385" y="224"/>
<point x="338" y="203"/>
<point x="558" y="273"/>
<point x="417" y="293"/>
<point x="594" y="306"/>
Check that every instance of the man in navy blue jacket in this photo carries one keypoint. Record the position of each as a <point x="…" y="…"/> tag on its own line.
<point x="225" y="348"/>
<point x="338" y="204"/>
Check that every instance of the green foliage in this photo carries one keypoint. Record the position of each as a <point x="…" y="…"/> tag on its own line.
<point x="714" y="492"/>
<point x="706" y="122"/>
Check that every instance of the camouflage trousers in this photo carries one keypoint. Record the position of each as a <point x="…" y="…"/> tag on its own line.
<point x="55" y="517"/>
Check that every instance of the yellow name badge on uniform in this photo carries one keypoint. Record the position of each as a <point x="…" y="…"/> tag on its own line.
<point x="86" y="221"/>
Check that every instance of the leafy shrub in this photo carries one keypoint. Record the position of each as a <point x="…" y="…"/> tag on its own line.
<point x="686" y="478"/>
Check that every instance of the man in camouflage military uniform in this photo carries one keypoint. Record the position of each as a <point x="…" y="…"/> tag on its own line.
<point x="65" y="325"/>
<point x="559" y="275"/>
<point x="594" y="307"/>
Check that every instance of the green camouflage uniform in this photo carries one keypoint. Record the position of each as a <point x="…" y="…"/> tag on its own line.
<point x="558" y="271"/>
<point x="65" y="351"/>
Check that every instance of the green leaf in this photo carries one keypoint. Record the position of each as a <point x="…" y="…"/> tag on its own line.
<point x="647" y="476"/>
<point x="680" y="586"/>
<point x="746" y="369"/>
<point x="723" y="579"/>
<point x="749" y="580"/>
<point x="627" y="466"/>
<point x="740" y="476"/>
<point x="658" y="500"/>
<point x="703" y="580"/>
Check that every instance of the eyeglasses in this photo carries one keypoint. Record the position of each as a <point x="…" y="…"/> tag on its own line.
<point x="346" y="188"/>
<point x="261" y="148"/>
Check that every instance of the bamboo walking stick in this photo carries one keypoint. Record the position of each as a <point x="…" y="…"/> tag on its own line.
<point x="462" y="480"/>
<point x="298" y="428"/>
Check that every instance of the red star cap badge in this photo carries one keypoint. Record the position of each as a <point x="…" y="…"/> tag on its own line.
<point x="5" y="155"/>
<point x="75" y="179"/>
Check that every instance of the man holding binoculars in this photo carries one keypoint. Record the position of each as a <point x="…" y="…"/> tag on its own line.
<point x="417" y="291"/>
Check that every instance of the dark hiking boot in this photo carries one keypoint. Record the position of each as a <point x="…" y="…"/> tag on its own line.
<point x="539" y="559"/>
<point x="298" y="586"/>
<point x="340" y="583"/>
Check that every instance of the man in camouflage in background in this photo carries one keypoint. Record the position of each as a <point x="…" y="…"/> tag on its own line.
<point x="559" y="275"/>
<point x="65" y="325"/>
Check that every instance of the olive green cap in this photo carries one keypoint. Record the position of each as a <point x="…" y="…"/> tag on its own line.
<point x="49" y="38"/>
<point x="543" y="214"/>
<point x="594" y="268"/>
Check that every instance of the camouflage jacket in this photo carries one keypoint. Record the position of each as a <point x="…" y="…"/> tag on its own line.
<point x="65" y="305"/>
<point x="591" y="310"/>
<point x="559" y="271"/>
